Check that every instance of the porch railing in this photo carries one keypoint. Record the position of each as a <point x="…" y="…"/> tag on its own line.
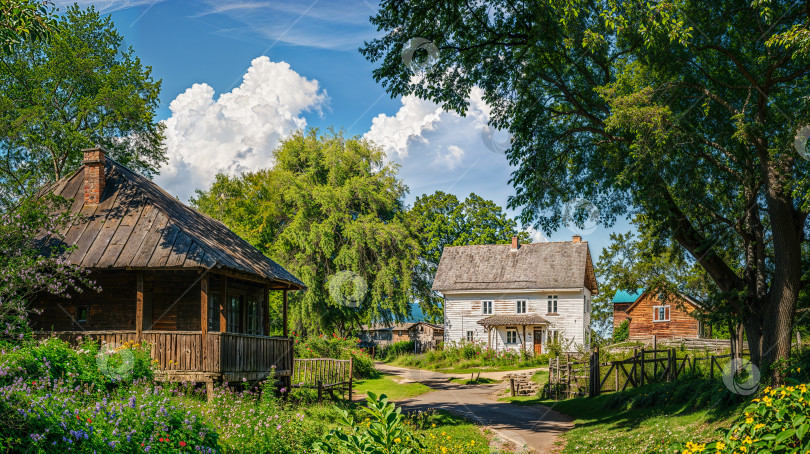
<point x="227" y="354"/>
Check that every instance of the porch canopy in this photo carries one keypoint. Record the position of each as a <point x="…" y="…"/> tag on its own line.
<point x="516" y="319"/>
<point x="522" y="320"/>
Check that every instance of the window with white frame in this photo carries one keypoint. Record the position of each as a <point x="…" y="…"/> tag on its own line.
<point x="552" y="304"/>
<point x="470" y="336"/>
<point x="660" y="313"/>
<point x="520" y="307"/>
<point x="511" y="335"/>
<point x="487" y="307"/>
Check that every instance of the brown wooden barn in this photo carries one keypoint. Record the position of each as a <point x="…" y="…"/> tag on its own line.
<point x="664" y="316"/>
<point x="169" y="275"/>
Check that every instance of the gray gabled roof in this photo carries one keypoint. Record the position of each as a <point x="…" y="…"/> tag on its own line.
<point x="557" y="265"/>
<point x="515" y="319"/>
<point x="138" y="225"/>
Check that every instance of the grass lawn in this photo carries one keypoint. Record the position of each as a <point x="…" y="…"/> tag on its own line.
<point x="540" y="377"/>
<point x="390" y="387"/>
<point x="644" y="420"/>
<point x="455" y="434"/>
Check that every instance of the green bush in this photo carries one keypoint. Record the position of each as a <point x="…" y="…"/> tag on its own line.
<point x="776" y="422"/>
<point x="383" y="431"/>
<point x="336" y="347"/>
<point x="390" y="352"/>
<point x="622" y="332"/>
<point x="90" y="364"/>
<point x="471" y="355"/>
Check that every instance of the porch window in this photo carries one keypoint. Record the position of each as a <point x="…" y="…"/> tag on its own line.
<point x="552" y="304"/>
<point x="660" y="313"/>
<point x="254" y="317"/>
<point x="234" y="314"/>
<point x="520" y="307"/>
<point x="511" y="336"/>
<point x="213" y="312"/>
<point x="82" y="314"/>
<point x="487" y="307"/>
<point x="469" y="336"/>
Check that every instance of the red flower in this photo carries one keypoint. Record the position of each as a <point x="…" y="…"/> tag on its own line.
<point x="141" y="444"/>
<point x="33" y="383"/>
<point x="182" y="443"/>
<point x="160" y="439"/>
<point x="78" y="417"/>
<point x="89" y="420"/>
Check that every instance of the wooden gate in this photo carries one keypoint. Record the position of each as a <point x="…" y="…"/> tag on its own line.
<point x="324" y="374"/>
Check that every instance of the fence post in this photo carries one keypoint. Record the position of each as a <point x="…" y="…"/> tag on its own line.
<point x="711" y="367"/>
<point x="320" y="391"/>
<point x="642" y="368"/>
<point x="351" y="377"/>
<point x="512" y="385"/>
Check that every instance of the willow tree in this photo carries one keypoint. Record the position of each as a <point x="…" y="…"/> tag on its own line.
<point x="331" y="212"/>
<point x="684" y="113"/>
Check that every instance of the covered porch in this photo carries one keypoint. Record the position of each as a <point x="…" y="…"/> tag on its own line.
<point x="518" y="332"/>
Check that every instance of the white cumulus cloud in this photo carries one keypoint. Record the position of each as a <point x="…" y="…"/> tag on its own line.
<point x="440" y="150"/>
<point x="238" y="131"/>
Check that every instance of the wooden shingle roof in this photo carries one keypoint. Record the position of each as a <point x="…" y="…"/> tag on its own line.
<point x="558" y="265"/>
<point x="515" y="319"/>
<point x="137" y="225"/>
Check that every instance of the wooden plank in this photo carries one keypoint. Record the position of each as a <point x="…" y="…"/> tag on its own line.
<point x="285" y="333"/>
<point x="203" y="319"/>
<point x="223" y="304"/>
<point x="179" y="250"/>
<point x="163" y="248"/>
<point x="109" y="226"/>
<point x="95" y="224"/>
<point x="139" y="306"/>
<point x="139" y="231"/>
<point x="153" y="236"/>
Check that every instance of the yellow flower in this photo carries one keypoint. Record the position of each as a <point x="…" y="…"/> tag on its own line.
<point x="720" y="445"/>
<point x="759" y="426"/>
<point x="397" y="440"/>
<point x="444" y="450"/>
<point x="749" y="420"/>
<point x="433" y="425"/>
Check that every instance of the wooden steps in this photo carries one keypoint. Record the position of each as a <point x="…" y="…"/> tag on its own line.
<point x="521" y="384"/>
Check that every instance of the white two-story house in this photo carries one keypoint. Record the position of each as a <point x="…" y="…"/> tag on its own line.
<point x="518" y="296"/>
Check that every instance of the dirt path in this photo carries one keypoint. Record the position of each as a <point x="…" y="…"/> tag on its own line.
<point x="535" y="427"/>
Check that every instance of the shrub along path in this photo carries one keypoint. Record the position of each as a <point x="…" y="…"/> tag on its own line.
<point x="535" y="427"/>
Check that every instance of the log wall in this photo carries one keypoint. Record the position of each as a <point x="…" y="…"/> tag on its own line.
<point x="680" y="324"/>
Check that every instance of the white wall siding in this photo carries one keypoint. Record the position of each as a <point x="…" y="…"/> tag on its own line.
<point x="462" y="311"/>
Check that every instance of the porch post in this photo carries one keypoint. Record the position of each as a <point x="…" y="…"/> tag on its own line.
<point x="284" y="315"/>
<point x="266" y="310"/>
<point x="523" y="341"/>
<point x="223" y="303"/>
<point x="139" y="306"/>
<point x="204" y="320"/>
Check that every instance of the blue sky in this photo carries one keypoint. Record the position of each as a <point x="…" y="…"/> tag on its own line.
<point x="240" y="75"/>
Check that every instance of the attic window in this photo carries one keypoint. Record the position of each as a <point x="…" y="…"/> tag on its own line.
<point x="520" y="307"/>
<point x="486" y="307"/>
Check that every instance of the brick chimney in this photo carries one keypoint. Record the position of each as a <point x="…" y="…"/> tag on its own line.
<point x="515" y="244"/>
<point x="577" y="239"/>
<point x="94" y="178"/>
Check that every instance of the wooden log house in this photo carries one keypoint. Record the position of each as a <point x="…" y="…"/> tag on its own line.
<point x="652" y="313"/>
<point x="169" y="275"/>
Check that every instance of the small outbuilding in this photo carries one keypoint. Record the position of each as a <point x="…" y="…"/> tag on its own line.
<point x="653" y="313"/>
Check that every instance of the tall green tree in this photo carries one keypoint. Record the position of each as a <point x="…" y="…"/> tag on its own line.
<point x="76" y="90"/>
<point x="439" y="220"/>
<point x="691" y="116"/>
<point x="330" y="211"/>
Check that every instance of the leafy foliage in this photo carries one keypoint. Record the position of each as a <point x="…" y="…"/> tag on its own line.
<point x="329" y="205"/>
<point x="24" y="20"/>
<point x="78" y="90"/>
<point x="465" y="355"/>
<point x="384" y="431"/>
<point x="622" y="332"/>
<point x="687" y="116"/>
<point x="336" y="347"/>
<point x="439" y="220"/>
<point x="776" y="422"/>
<point x="29" y="265"/>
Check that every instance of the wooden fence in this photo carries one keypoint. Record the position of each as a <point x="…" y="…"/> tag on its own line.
<point x="324" y="374"/>
<point x="570" y="376"/>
